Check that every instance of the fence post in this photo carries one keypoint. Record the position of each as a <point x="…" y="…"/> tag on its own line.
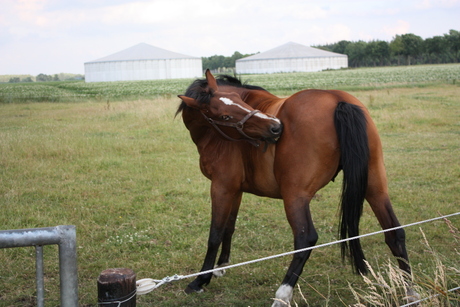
<point x="117" y="287"/>
<point x="68" y="265"/>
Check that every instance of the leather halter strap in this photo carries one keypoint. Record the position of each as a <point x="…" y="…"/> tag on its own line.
<point x="238" y="126"/>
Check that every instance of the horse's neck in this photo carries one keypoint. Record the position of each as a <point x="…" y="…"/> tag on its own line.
<point x="263" y="101"/>
<point x="204" y="136"/>
<point x="199" y="128"/>
<point x="195" y="123"/>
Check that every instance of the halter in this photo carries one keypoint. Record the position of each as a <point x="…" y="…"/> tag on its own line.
<point x="238" y="126"/>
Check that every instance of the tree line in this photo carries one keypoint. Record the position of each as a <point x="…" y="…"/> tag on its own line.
<point x="405" y="49"/>
<point x="220" y="63"/>
<point x="46" y="78"/>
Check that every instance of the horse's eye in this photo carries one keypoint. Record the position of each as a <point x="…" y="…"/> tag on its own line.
<point x="225" y="117"/>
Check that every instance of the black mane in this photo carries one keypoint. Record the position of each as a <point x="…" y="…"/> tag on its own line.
<point x="197" y="90"/>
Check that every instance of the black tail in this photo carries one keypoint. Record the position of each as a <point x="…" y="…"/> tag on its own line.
<point x="350" y="124"/>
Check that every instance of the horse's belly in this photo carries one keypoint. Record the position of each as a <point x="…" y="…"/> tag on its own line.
<point x="263" y="185"/>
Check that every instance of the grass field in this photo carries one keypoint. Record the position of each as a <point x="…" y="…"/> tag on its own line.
<point x="282" y="84"/>
<point x="125" y="172"/>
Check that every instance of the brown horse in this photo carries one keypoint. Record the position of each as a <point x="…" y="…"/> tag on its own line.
<point x="306" y="140"/>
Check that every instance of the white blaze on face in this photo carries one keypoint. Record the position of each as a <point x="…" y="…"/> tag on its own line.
<point x="230" y="102"/>
<point x="265" y="116"/>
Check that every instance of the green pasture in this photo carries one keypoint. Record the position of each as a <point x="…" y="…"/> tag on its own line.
<point x="119" y="166"/>
<point x="283" y="84"/>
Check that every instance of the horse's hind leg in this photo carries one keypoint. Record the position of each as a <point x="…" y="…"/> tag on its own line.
<point x="299" y="217"/>
<point x="377" y="197"/>
<point x="395" y="239"/>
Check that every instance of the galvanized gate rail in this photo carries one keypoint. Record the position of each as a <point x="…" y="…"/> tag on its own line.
<point x="65" y="237"/>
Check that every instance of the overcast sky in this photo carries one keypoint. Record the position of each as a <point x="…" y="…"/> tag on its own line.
<point x="54" y="36"/>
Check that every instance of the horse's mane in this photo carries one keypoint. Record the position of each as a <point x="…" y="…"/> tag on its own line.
<point x="197" y="89"/>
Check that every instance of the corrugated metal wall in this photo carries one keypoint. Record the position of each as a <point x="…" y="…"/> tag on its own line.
<point x="143" y="70"/>
<point x="268" y="66"/>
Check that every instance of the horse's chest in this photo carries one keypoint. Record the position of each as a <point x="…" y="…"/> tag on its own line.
<point x="206" y="166"/>
<point x="253" y="172"/>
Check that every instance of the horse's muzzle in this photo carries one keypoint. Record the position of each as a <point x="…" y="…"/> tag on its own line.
<point x="275" y="130"/>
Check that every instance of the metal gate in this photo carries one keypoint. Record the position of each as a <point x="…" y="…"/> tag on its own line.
<point x="65" y="237"/>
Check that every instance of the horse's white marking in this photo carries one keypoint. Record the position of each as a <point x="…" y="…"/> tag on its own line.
<point x="265" y="116"/>
<point x="227" y="101"/>
<point x="222" y="272"/>
<point x="230" y="102"/>
<point x="283" y="296"/>
<point x="412" y="295"/>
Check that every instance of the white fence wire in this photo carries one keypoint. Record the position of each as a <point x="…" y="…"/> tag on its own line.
<point x="147" y="285"/>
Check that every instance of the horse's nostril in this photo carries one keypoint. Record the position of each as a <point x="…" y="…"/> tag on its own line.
<point x="276" y="129"/>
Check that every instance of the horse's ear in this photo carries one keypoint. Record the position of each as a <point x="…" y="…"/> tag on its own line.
<point x="212" y="83"/>
<point x="190" y="102"/>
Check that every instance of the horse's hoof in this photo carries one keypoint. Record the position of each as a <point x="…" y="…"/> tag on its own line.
<point x="222" y="272"/>
<point x="190" y="290"/>
<point x="219" y="273"/>
<point x="280" y="303"/>
<point x="412" y="296"/>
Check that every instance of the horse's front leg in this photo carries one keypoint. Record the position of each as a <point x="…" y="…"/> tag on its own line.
<point x="224" y="258"/>
<point x="225" y="206"/>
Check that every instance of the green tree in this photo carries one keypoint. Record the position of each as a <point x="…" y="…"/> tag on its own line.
<point x="436" y="44"/>
<point x="213" y="62"/>
<point x="403" y="49"/>
<point x="412" y="46"/>
<point x="14" y="80"/>
<point x="236" y="56"/>
<point x="378" y="52"/>
<point x="397" y="47"/>
<point x="453" y="39"/>
<point x="340" y="47"/>
<point x="219" y="61"/>
<point x="383" y="51"/>
<point x="356" y="53"/>
<point x="372" y="52"/>
<point x="437" y="49"/>
<point x="43" y="78"/>
<point x="27" y="79"/>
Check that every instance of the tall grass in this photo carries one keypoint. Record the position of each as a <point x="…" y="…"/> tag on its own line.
<point x="126" y="174"/>
<point x="389" y="285"/>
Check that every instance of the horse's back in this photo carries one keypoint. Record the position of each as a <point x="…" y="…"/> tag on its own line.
<point x="309" y="115"/>
<point x="314" y="110"/>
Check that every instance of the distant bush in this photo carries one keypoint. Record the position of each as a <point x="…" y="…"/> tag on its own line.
<point x="45" y="78"/>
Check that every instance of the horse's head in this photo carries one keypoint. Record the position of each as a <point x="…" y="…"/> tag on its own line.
<point x="232" y="117"/>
